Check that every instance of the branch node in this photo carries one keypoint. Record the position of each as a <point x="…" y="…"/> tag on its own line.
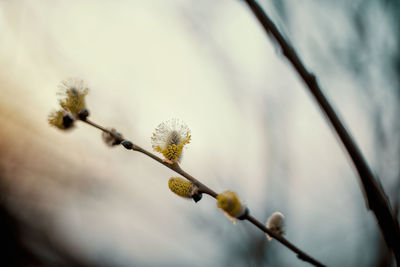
<point x="245" y="214"/>
<point x="127" y="144"/>
<point x="197" y="196"/>
<point x="83" y="114"/>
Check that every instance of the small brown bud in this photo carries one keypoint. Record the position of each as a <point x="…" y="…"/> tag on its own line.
<point x="112" y="138"/>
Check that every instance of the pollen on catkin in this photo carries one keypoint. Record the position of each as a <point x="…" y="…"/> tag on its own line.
<point x="275" y="223"/>
<point x="169" y="139"/>
<point x="230" y="203"/>
<point x="181" y="187"/>
<point x="61" y="119"/>
<point x="73" y="93"/>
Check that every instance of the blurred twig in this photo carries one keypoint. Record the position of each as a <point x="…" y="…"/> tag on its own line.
<point x="204" y="189"/>
<point x="374" y="194"/>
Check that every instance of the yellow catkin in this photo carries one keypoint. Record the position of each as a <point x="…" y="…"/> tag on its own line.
<point x="173" y="152"/>
<point x="169" y="139"/>
<point x="73" y="92"/>
<point x="56" y="119"/>
<point x="230" y="203"/>
<point x="181" y="187"/>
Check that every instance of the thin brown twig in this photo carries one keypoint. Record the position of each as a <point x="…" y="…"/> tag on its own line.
<point x="175" y="167"/>
<point x="205" y="189"/>
<point x="374" y="194"/>
<point x="300" y="254"/>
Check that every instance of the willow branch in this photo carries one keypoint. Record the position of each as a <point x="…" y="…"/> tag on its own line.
<point x="374" y="194"/>
<point x="206" y="190"/>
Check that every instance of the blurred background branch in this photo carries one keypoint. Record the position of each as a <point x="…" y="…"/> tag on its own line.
<point x="374" y="194"/>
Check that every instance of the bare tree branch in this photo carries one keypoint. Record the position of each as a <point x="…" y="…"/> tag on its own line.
<point x="205" y="189"/>
<point x="374" y="194"/>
